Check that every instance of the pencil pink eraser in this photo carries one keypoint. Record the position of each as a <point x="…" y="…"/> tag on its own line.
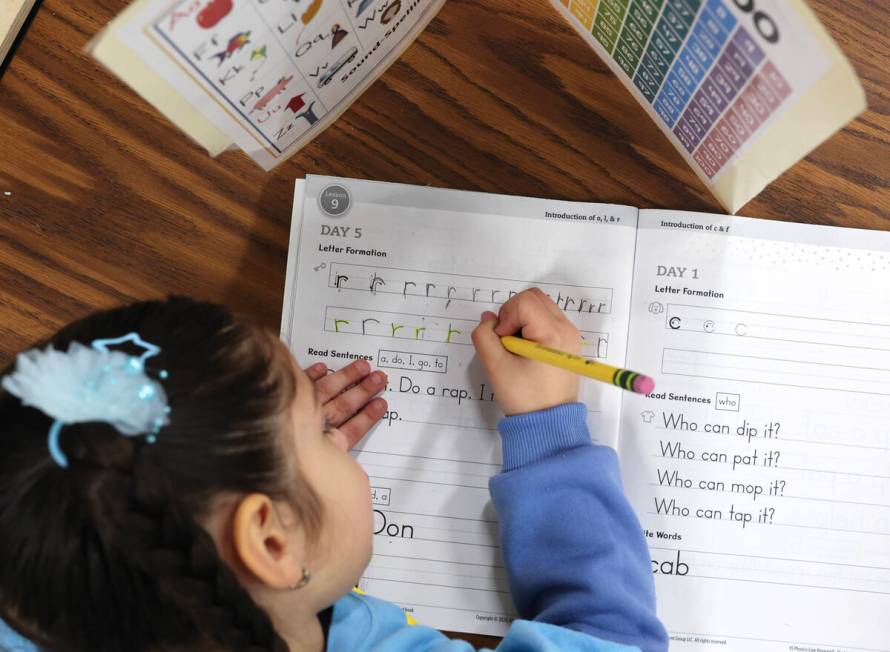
<point x="644" y="385"/>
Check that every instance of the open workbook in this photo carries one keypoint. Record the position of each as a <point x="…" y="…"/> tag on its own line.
<point x="759" y="467"/>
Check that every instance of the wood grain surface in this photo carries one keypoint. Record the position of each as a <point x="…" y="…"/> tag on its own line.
<point x="109" y="203"/>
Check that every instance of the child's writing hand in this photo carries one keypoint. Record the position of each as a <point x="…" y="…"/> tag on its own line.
<point x="347" y="397"/>
<point x="523" y="385"/>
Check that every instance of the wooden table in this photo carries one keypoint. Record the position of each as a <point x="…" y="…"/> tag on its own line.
<point x="111" y="204"/>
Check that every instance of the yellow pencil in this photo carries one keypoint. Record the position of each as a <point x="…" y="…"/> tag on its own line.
<point x="623" y="378"/>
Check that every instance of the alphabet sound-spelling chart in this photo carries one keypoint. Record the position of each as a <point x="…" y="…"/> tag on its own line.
<point x="716" y="75"/>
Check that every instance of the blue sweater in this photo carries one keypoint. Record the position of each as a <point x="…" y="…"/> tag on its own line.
<point x="577" y="562"/>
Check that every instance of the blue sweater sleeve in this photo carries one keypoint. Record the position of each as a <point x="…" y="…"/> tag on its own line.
<point x="573" y="548"/>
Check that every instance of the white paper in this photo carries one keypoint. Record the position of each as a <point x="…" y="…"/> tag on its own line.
<point x="442" y="257"/>
<point x="760" y="468"/>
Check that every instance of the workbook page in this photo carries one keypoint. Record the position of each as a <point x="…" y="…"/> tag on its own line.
<point x="399" y="275"/>
<point x="760" y="466"/>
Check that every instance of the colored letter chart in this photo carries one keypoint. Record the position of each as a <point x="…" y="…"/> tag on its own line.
<point x="713" y="71"/>
<point x="273" y="73"/>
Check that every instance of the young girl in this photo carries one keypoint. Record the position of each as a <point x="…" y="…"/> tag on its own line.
<point x="171" y="480"/>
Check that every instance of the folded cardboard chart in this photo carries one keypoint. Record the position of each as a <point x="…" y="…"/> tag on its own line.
<point x="266" y="77"/>
<point x="742" y="88"/>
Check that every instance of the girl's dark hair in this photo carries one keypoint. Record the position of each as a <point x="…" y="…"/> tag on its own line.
<point x="109" y="553"/>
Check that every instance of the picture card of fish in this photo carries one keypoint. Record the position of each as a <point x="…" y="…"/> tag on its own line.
<point x="742" y="88"/>
<point x="263" y="75"/>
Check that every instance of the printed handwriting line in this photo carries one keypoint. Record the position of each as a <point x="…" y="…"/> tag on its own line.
<point x="799" y="561"/>
<point x="774" y="524"/>
<point x="491" y="533"/>
<point x="862" y="475"/>
<point x="774" y="439"/>
<point x="441" y="561"/>
<point x="450" y="425"/>
<point x="421" y="457"/>
<point x="779" y="498"/>
<point x="778" y="384"/>
<point x="806" y="586"/>
<point x="444" y="586"/>
<point x="374" y="566"/>
<point x="777" y="468"/>
<point x="880" y="582"/>
<point x="475" y="611"/>
<point x="413" y="468"/>
<point x="602" y="307"/>
<point x="457" y="518"/>
<point x="836" y="443"/>
<point x="456" y="543"/>
<point x="484" y="278"/>
<point x="443" y="484"/>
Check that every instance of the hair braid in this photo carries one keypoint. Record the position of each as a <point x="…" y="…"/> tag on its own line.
<point x="183" y="558"/>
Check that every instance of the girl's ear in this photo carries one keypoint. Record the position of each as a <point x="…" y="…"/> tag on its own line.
<point x="268" y="549"/>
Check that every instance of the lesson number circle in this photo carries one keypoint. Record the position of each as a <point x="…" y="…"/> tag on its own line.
<point x="335" y="201"/>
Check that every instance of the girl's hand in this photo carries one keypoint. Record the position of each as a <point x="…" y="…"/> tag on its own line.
<point x="522" y="385"/>
<point x="347" y="397"/>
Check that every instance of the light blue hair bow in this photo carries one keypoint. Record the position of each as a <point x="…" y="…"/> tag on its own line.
<point x="92" y="383"/>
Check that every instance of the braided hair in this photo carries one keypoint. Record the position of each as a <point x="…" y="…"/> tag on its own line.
<point x="109" y="554"/>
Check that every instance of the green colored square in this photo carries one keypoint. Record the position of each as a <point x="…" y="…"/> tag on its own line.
<point x="636" y="13"/>
<point x="609" y="16"/>
<point x="639" y="32"/>
<point x="651" y="8"/>
<point x="626" y="64"/>
<point x="631" y="49"/>
<point x="606" y="39"/>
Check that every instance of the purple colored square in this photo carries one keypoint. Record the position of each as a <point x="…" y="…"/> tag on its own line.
<point x="697" y="114"/>
<point x="726" y="151"/>
<point x="722" y="84"/>
<point x="757" y="103"/>
<point x="776" y="80"/>
<point x="728" y="134"/>
<point x="747" y="114"/>
<point x="733" y="75"/>
<point x="766" y="92"/>
<point x="685" y="135"/>
<point x="737" y="124"/>
<point x="740" y="60"/>
<point x="713" y="94"/>
<point x="707" y="106"/>
<point x="746" y="44"/>
<point x="715" y="152"/>
<point x="694" y="124"/>
<point x="707" y="164"/>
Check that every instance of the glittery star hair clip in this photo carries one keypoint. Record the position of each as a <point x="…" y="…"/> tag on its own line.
<point x="92" y="383"/>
